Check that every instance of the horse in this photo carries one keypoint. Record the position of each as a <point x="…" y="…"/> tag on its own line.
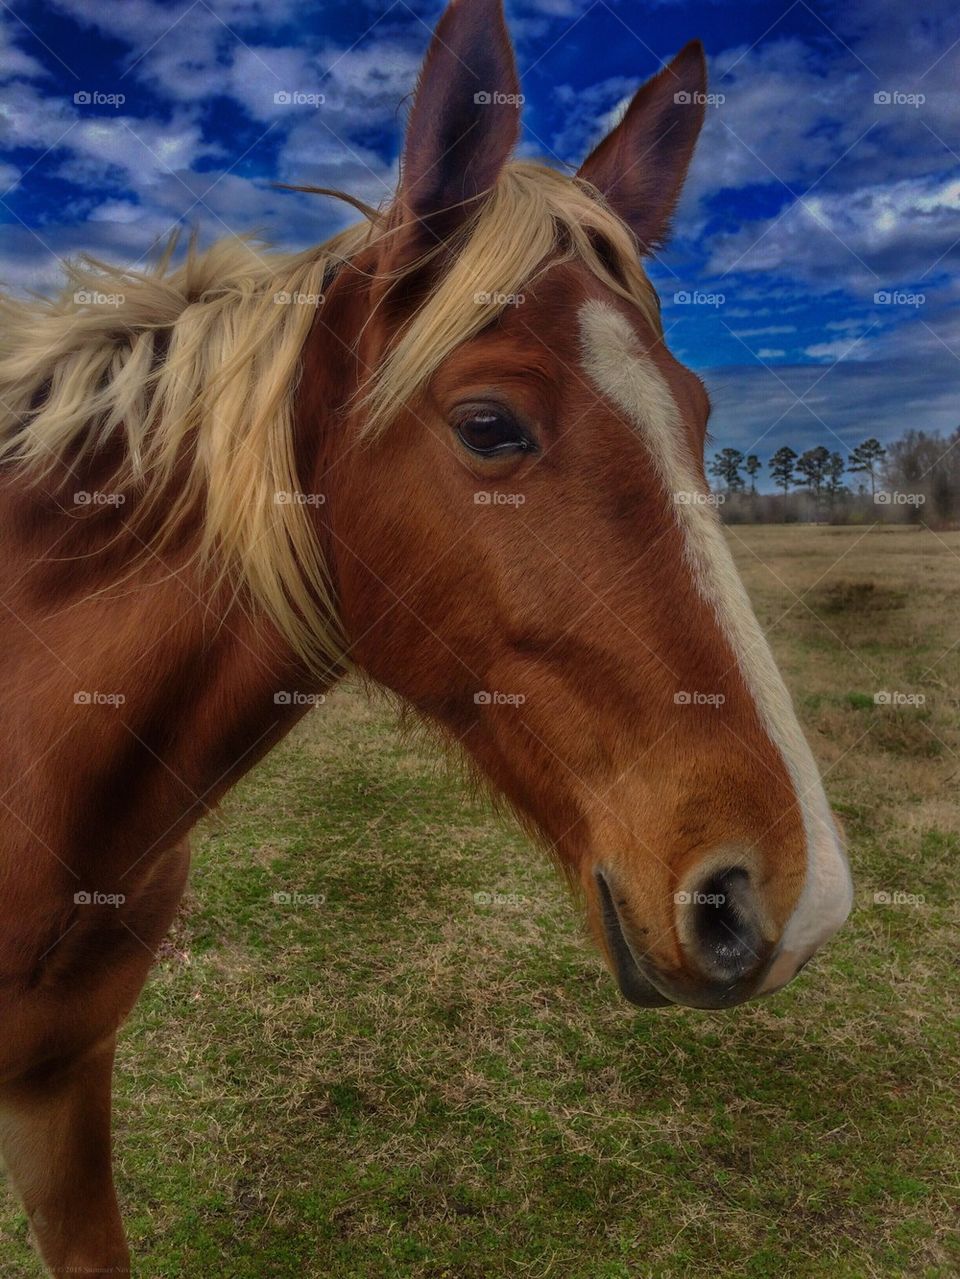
<point x="448" y="449"/>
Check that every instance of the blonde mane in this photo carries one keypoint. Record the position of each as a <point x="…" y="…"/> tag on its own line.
<point x="196" y="368"/>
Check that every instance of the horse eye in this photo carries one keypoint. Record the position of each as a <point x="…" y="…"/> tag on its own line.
<point x="492" y="432"/>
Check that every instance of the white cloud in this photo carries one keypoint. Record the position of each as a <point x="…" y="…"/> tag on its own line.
<point x="782" y="120"/>
<point x="14" y="62"/>
<point x="314" y="154"/>
<point x="589" y="114"/>
<point x="850" y="322"/>
<point x="94" y="143"/>
<point x="839" y="349"/>
<point x="764" y="331"/>
<point x="9" y="177"/>
<point x="880" y="236"/>
<point x="30" y="118"/>
<point x="116" y="211"/>
<point x="756" y="409"/>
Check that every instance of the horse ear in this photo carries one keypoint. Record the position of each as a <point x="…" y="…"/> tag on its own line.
<point x="464" y="123"/>
<point x="640" y="166"/>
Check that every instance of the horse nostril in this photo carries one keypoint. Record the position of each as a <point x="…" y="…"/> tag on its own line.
<point x="723" y="927"/>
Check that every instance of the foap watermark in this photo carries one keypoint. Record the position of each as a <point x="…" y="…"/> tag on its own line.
<point x="888" y="697"/>
<point x="84" y="698"/>
<point x="93" y="897"/>
<point x="90" y="297"/>
<point x="295" y="898"/>
<point x="691" y="498"/>
<point x="494" y="697"/>
<point x="290" y="497"/>
<point x="513" y="901"/>
<point x="891" y="497"/>
<point x="297" y="98"/>
<point x="896" y="897"/>
<point x="282" y="298"/>
<point x="695" y="297"/>
<point x="293" y="697"/>
<point x="494" y="98"/>
<point x="896" y="98"/>
<point x="699" y="899"/>
<point x="97" y="497"/>
<point x="898" y="297"/>
<point x="684" y="98"/>
<point x="695" y="698"/>
<point x="94" y="98"/>
<point x="499" y="299"/>
<point x="491" y="497"/>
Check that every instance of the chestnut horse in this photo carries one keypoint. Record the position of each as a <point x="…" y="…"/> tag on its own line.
<point x="449" y="449"/>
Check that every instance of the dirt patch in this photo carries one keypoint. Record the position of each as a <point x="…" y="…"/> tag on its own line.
<point x="860" y="595"/>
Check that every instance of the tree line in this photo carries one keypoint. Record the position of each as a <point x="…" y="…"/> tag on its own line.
<point x="818" y="470"/>
<point x="914" y="479"/>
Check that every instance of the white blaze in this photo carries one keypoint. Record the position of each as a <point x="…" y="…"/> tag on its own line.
<point x="631" y="380"/>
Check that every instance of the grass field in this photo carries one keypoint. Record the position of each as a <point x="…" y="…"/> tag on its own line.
<point x="396" y="1079"/>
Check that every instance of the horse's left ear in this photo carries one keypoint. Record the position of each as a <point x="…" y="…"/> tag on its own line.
<point x="464" y="123"/>
<point x="641" y="165"/>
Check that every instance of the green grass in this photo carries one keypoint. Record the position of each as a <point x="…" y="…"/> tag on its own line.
<point x="398" y="1079"/>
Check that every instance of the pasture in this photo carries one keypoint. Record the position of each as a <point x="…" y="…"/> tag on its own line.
<point x="415" y="1065"/>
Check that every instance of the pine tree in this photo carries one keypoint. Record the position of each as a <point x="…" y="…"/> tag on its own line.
<point x="868" y="457"/>
<point x="812" y="469"/>
<point x="781" y="468"/>
<point x="834" y="475"/>
<point x="726" y="468"/>
<point x="752" y="468"/>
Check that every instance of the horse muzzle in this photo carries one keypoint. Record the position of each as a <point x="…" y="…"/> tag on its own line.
<point x="727" y="952"/>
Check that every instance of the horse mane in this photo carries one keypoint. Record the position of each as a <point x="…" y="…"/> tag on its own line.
<point x="194" y="369"/>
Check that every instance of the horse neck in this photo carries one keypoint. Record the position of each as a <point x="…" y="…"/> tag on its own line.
<point x="207" y="689"/>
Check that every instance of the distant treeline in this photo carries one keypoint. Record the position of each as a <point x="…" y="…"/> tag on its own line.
<point x="915" y="479"/>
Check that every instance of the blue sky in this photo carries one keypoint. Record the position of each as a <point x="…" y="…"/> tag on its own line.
<point x="809" y="195"/>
